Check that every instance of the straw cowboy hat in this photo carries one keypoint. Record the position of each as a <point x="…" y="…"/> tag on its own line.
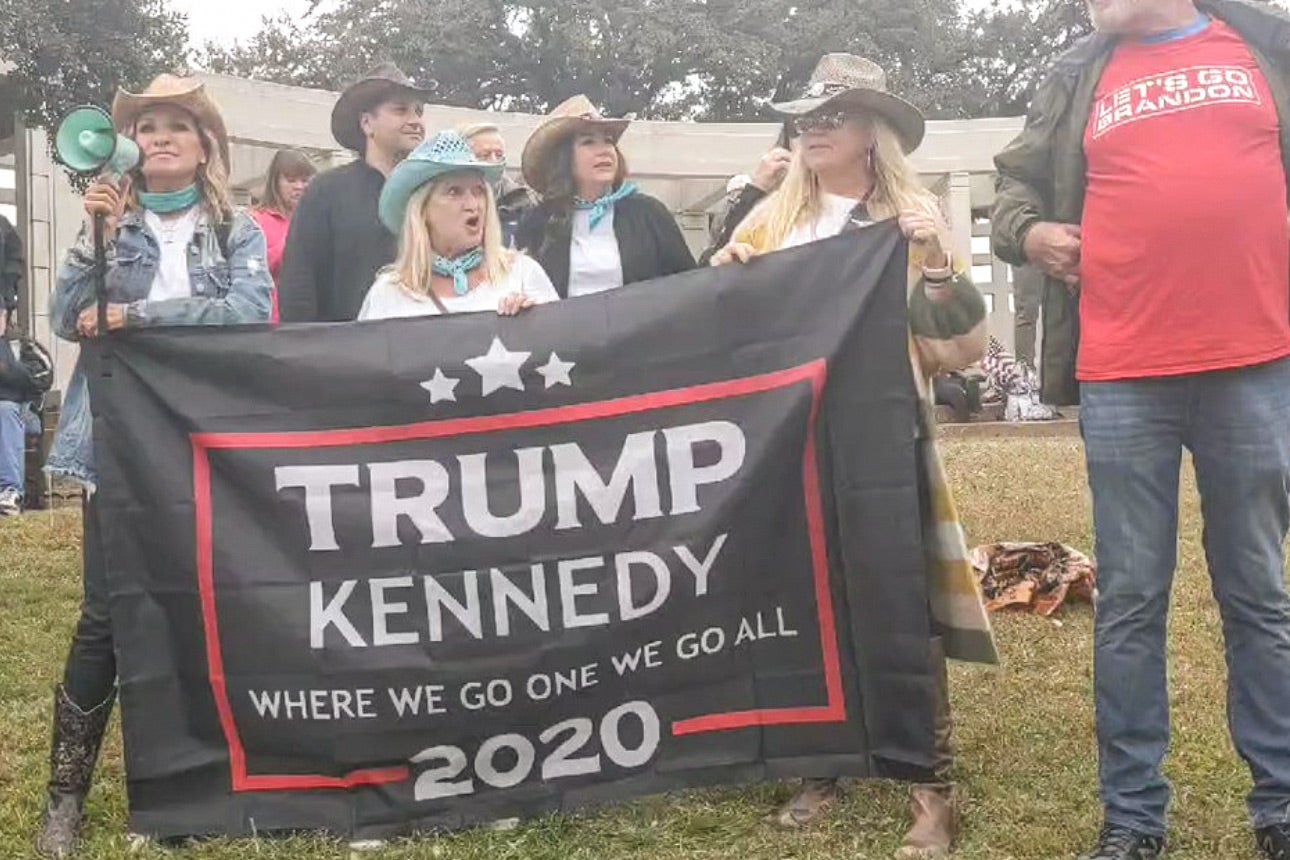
<point x="380" y="84"/>
<point x="845" y="81"/>
<point x="570" y="117"/>
<point x="446" y="152"/>
<point x="186" y="93"/>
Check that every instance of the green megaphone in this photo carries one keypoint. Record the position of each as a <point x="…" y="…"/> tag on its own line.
<point x="87" y="142"/>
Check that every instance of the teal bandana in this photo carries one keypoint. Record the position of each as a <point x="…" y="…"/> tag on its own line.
<point x="602" y="206"/>
<point x="164" y="202"/>
<point x="459" y="269"/>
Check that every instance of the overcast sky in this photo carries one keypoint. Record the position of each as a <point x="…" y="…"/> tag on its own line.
<point x="226" y="21"/>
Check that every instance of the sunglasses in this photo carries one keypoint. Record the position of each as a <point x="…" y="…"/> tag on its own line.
<point x="820" y="122"/>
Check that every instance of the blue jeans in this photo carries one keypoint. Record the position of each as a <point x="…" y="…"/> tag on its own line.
<point x="1237" y="426"/>
<point x="13" y="444"/>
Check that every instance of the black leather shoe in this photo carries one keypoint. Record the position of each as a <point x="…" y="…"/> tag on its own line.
<point x="1121" y="843"/>
<point x="1274" y="841"/>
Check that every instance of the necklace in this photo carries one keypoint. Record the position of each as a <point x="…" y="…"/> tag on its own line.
<point x="170" y="228"/>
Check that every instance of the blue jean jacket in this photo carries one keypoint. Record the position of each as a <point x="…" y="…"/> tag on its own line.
<point x="224" y="292"/>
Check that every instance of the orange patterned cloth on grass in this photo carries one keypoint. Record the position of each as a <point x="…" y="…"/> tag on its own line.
<point x="1034" y="576"/>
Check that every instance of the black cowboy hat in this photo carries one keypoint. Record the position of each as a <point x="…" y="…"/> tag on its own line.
<point x="380" y="84"/>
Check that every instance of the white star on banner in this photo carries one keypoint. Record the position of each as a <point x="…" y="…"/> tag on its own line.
<point x="556" y="372"/>
<point x="499" y="367"/>
<point x="441" y="387"/>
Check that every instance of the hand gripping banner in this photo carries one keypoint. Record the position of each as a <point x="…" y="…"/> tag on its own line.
<point x="374" y="578"/>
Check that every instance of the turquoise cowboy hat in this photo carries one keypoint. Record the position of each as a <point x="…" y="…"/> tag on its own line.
<point x="446" y="152"/>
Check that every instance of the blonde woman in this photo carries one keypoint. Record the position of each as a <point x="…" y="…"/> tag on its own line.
<point x="439" y="202"/>
<point x="178" y="254"/>
<point x="850" y="169"/>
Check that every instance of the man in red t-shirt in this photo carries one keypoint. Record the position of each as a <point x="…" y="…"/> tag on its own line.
<point x="1150" y="187"/>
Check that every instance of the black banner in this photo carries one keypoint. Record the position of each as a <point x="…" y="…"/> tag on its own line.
<point x="379" y="577"/>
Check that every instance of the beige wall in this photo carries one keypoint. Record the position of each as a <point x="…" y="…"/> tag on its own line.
<point x="49" y="213"/>
<point x="684" y="164"/>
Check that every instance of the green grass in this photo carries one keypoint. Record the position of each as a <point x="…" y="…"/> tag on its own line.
<point x="1027" y="761"/>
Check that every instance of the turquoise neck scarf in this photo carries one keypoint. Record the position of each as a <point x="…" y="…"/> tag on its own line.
<point x="164" y="202"/>
<point x="602" y="206"/>
<point x="459" y="269"/>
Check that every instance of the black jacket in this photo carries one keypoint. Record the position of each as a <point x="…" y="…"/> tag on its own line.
<point x="514" y="201"/>
<point x="743" y="204"/>
<point x="649" y="241"/>
<point x="16" y="383"/>
<point x="335" y="247"/>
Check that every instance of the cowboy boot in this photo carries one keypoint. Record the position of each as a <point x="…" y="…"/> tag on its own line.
<point x="813" y="799"/>
<point x="935" y="823"/>
<point x="77" y="737"/>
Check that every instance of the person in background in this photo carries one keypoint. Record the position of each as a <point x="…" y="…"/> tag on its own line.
<point x="740" y="201"/>
<point x="1028" y="293"/>
<point x="593" y="230"/>
<point x="852" y="169"/>
<point x="337" y="243"/>
<point x="15" y="384"/>
<point x="514" y="198"/>
<point x="440" y="202"/>
<point x="289" y="175"/>
<point x="16" y="390"/>
<point x="734" y="187"/>
<point x="1149" y="185"/>
<point x="179" y="254"/>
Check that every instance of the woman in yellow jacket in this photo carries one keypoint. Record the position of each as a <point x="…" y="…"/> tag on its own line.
<point x="852" y="169"/>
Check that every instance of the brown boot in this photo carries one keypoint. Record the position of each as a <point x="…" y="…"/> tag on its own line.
<point x="813" y="800"/>
<point x="935" y="823"/>
<point x="77" y="737"/>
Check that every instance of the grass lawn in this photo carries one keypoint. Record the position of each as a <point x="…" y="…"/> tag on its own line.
<point x="1027" y="761"/>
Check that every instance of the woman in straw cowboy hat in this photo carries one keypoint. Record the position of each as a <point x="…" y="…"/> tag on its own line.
<point x="851" y="168"/>
<point x="594" y="230"/>
<point x="440" y="204"/>
<point x="178" y="254"/>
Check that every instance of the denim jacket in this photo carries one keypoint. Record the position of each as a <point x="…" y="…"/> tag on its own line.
<point x="224" y="292"/>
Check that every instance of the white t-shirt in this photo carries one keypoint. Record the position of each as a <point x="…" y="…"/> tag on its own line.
<point x="174" y="237"/>
<point x="387" y="300"/>
<point x="594" y="263"/>
<point x="834" y="211"/>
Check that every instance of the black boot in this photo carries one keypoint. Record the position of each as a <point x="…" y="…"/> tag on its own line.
<point x="1274" y="841"/>
<point x="1120" y="843"/>
<point x="77" y="737"/>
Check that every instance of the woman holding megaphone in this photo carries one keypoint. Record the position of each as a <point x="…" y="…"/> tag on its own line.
<point x="177" y="254"/>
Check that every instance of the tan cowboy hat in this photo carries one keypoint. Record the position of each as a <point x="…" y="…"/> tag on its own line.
<point x="842" y="81"/>
<point x="568" y="118"/>
<point x="186" y="93"/>
<point x="380" y="84"/>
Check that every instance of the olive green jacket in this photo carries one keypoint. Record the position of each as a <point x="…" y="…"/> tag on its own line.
<point x="1042" y="173"/>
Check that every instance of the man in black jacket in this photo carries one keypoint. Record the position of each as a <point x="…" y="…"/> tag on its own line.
<point x="337" y="243"/>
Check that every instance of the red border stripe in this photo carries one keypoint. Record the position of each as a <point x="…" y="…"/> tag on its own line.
<point x="814" y="373"/>
<point x="836" y="709"/>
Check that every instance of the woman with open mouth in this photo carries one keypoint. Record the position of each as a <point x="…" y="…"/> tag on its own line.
<point x="594" y="231"/>
<point x="851" y="169"/>
<point x="439" y="202"/>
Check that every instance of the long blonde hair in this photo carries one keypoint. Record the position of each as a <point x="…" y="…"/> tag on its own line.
<point x="212" y="178"/>
<point x="799" y="199"/>
<point x="414" y="266"/>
